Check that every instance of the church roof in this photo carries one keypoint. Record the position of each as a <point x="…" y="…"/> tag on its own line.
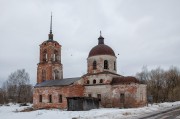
<point x="101" y="49"/>
<point x="53" y="41"/>
<point x="60" y="82"/>
<point x="124" y="80"/>
<point x="104" y="72"/>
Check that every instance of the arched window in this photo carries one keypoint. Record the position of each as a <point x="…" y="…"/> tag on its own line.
<point x="60" y="99"/>
<point x="94" y="81"/>
<point x="43" y="75"/>
<point x="50" y="98"/>
<point x="94" y="65"/>
<point x="45" y="56"/>
<point x="101" y="81"/>
<point x="99" y="97"/>
<point x="87" y="81"/>
<point x="105" y="64"/>
<point x="114" y="65"/>
<point x="56" y="74"/>
<point x="55" y="56"/>
<point x="40" y="98"/>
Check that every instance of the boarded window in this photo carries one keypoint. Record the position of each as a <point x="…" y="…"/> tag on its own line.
<point x="141" y="96"/>
<point x="50" y="98"/>
<point x="122" y="97"/>
<point x="105" y="64"/>
<point x="60" y="98"/>
<point x="94" y="81"/>
<point x="40" y="98"/>
<point x="94" y="65"/>
<point x="99" y="96"/>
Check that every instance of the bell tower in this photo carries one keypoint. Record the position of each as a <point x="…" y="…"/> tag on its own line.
<point x="49" y="66"/>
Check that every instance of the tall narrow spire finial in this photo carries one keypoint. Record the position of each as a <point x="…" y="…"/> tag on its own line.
<point x="51" y="24"/>
<point x="50" y="34"/>
<point x="100" y="33"/>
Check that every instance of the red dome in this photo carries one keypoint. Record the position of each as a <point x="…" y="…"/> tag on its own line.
<point x="101" y="49"/>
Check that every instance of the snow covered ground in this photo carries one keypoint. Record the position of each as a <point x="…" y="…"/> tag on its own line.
<point x="12" y="112"/>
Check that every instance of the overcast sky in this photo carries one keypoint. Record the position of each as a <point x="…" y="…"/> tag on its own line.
<point x="142" y="32"/>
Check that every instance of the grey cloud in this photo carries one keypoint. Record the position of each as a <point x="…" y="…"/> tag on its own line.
<point x="141" y="32"/>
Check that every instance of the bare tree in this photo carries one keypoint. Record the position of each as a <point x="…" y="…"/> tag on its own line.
<point x="2" y="96"/>
<point x="162" y="85"/>
<point x="18" y="87"/>
<point x="143" y="76"/>
<point x="173" y="83"/>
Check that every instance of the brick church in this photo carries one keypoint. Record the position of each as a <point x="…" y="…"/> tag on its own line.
<point x="101" y="80"/>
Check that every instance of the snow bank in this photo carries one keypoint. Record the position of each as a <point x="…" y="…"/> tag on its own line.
<point x="12" y="112"/>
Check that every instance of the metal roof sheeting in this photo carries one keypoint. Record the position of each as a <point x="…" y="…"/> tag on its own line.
<point x="124" y="80"/>
<point x="101" y="49"/>
<point x="59" y="82"/>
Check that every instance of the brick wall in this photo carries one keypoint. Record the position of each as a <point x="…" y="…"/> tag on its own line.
<point x="134" y="94"/>
<point x="65" y="91"/>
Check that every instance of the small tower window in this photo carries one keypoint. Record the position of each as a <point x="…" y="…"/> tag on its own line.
<point x="101" y="81"/>
<point x="43" y="75"/>
<point x="55" y="56"/>
<point x="94" y="81"/>
<point x="94" y="65"/>
<point x="56" y="74"/>
<point x="45" y="56"/>
<point x="105" y="64"/>
<point x="114" y="65"/>
<point x="50" y="98"/>
<point x="87" y="81"/>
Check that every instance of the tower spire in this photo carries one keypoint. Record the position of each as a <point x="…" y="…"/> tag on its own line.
<point x="51" y="24"/>
<point x="50" y="33"/>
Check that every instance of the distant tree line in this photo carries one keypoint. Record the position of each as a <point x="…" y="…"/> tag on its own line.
<point x="162" y="85"/>
<point x="17" y="88"/>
